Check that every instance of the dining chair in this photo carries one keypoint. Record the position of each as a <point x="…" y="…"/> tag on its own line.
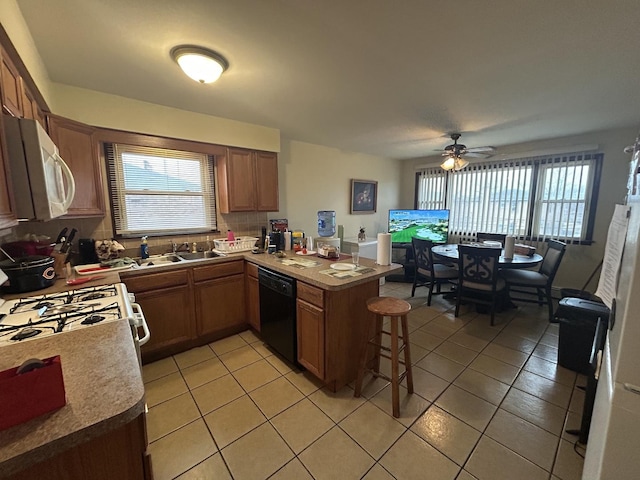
<point x="478" y="277"/>
<point x="538" y="283"/>
<point x="427" y="272"/>
<point x="496" y="237"/>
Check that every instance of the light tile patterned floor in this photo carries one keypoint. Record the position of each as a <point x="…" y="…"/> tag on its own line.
<point x="490" y="403"/>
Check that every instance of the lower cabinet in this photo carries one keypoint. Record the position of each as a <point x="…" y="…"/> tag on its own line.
<point x="190" y="306"/>
<point x="310" y="331"/>
<point x="253" y="296"/>
<point x="167" y="302"/>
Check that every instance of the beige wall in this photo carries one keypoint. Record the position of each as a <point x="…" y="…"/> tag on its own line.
<point x="580" y="260"/>
<point x="313" y="177"/>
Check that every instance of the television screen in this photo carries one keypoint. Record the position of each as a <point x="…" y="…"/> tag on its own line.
<point x="426" y="224"/>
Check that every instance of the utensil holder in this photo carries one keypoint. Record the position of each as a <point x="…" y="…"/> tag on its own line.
<point x="59" y="262"/>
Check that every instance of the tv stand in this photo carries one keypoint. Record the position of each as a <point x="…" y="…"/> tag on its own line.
<point x="402" y="253"/>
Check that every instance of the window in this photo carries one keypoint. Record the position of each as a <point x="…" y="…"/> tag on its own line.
<point x="157" y="191"/>
<point x="533" y="198"/>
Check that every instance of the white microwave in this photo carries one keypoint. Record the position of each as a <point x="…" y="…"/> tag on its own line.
<point x="43" y="185"/>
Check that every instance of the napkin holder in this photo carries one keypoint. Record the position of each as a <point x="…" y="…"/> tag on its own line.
<point x="522" y="249"/>
<point x="27" y="395"/>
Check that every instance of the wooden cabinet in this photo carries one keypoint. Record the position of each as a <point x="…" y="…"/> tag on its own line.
<point x="219" y="298"/>
<point x="79" y="150"/>
<point x="7" y="215"/>
<point x="310" y="332"/>
<point x="11" y="86"/>
<point x="253" y="296"/>
<point x="166" y="300"/>
<point x="31" y="109"/>
<point x="247" y="181"/>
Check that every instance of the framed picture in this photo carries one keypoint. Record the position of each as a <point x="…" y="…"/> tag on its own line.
<point x="364" y="196"/>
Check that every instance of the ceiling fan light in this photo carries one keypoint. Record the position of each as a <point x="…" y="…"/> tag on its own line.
<point x="200" y="64"/>
<point x="460" y="163"/>
<point x="448" y="164"/>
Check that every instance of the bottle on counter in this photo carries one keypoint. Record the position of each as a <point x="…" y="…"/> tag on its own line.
<point x="230" y="237"/>
<point x="144" y="248"/>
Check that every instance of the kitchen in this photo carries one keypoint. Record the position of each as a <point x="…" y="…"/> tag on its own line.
<point x="310" y="176"/>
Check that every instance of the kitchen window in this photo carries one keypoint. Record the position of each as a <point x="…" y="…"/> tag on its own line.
<point x="156" y="191"/>
<point x="531" y="198"/>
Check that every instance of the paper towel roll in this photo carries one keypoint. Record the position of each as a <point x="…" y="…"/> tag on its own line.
<point x="287" y="240"/>
<point x="509" y="245"/>
<point x="383" y="256"/>
<point x="310" y="243"/>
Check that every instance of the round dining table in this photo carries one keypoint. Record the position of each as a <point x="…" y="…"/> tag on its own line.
<point x="450" y="252"/>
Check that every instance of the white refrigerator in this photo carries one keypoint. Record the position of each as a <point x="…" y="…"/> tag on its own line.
<point x="613" y="448"/>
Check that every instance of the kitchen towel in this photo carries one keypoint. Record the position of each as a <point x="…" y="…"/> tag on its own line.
<point x="509" y="246"/>
<point x="383" y="256"/>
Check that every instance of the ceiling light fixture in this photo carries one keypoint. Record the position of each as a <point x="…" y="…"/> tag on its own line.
<point x="204" y="66"/>
<point x="454" y="162"/>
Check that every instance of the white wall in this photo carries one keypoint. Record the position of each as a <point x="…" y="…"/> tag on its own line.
<point x="580" y="260"/>
<point x="313" y="177"/>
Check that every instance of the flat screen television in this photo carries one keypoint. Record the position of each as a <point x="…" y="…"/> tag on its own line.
<point x="426" y="224"/>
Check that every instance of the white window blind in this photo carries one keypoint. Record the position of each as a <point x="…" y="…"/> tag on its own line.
<point x="158" y="191"/>
<point x="534" y="198"/>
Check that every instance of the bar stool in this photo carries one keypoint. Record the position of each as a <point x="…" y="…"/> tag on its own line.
<point x="395" y="309"/>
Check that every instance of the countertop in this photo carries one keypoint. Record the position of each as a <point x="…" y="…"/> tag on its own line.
<point x="103" y="385"/>
<point x="309" y="275"/>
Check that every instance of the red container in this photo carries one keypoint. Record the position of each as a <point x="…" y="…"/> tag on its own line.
<point x="25" y="248"/>
<point x="28" y="395"/>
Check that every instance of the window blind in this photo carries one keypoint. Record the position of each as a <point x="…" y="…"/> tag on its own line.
<point x="158" y="191"/>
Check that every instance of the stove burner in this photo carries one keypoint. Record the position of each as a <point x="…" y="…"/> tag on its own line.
<point x="25" y="333"/>
<point x="91" y="319"/>
<point x="93" y="296"/>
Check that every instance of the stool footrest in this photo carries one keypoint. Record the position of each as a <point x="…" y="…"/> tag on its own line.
<point x="388" y="378"/>
<point x="387" y="349"/>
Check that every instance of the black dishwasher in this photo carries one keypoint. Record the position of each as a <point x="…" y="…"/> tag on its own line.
<point x="278" y="313"/>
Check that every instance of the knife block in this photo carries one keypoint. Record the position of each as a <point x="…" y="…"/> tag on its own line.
<point x="59" y="262"/>
<point x="24" y="396"/>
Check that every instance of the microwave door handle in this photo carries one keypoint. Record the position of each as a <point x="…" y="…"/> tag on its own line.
<point x="71" y="184"/>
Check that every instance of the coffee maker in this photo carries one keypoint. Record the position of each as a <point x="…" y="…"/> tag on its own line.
<point x="277" y="239"/>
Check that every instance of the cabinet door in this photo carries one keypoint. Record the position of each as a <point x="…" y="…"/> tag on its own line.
<point x="31" y="108"/>
<point x="241" y="180"/>
<point x="169" y="314"/>
<point x="253" y="302"/>
<point x="267" y="181"/>
<point x="79" y="150"/>
<point x="311" y="344"/>
<point x="7" y="216"/>
<point x="220" y="304"/>
<point x="11" y="86"/>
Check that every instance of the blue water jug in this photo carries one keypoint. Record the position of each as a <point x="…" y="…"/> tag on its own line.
<point x="326" y="223"/>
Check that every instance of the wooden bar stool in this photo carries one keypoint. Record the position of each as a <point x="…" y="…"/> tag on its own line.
<point x="395" y="309"/>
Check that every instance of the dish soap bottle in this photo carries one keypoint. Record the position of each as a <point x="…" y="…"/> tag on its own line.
<point x="230" y="237"/>
<point x="144" y="248"/>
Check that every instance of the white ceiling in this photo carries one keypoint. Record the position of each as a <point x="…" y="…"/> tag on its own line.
<point x="388" y="78"/>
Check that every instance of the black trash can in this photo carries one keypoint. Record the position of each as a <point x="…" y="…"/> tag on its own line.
<point x="578" y="319"/>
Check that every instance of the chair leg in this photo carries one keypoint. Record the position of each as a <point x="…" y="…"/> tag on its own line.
<point x="550" y="302"/>
<point x="395" y="388"/>
<point x="407" y="353"/>
<point x="413" y="290"/>
<point x="458" y="296"/>
<point x="430" y="294"/>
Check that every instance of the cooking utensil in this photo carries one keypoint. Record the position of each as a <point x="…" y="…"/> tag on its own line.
<point x="8" y="256"/>
<point x="67" y="243"/>
<point x="28" y="273"/>
<point x="79" y="281"/>
<point x="61" y="236"/>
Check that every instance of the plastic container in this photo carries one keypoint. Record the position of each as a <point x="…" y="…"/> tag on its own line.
<point x="578" y="319"/>
<point x="326" y="223"/>
<point x="144" y="248"/>
<point x="239" y="244"/>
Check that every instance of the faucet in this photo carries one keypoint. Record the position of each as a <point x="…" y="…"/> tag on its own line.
<point x="175" y="248"/>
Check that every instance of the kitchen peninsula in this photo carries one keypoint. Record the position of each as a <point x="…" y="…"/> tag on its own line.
<point x="219" y="296"/>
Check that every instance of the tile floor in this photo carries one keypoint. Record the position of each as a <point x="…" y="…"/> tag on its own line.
<point x="489" y="403"/>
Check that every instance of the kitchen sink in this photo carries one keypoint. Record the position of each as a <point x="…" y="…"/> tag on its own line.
<point x="199" y="255"/>
<point x="158" y="260"/>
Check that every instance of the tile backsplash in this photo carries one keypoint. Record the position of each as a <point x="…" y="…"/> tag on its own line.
<point x="242" y="224"/>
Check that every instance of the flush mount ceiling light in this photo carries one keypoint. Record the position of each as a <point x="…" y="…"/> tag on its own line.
<point x="204" y="66"/>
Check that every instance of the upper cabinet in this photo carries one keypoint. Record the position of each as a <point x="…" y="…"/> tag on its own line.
<point x="30" y="107"/>
<point x="11" y="86"/>
<point x="7" y="215"/>
<point x="79" y="149"/>
<point x="247" y="181"/>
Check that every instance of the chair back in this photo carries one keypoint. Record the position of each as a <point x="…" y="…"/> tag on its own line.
<point x="551" y="261"/>
<point x="422" y="254"/>
<point x="496" y="237"/>
<point x="478" y="267"/>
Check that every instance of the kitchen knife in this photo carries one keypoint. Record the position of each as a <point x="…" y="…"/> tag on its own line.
<point x="61" y="235"/>
<point x="67" y="242"/>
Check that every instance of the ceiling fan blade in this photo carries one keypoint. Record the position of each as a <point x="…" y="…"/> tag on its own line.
<point x="481" y="149"/>
<point x="476" y="155"/>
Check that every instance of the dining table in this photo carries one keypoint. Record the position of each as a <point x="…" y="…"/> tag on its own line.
<point x="449" y="252"/>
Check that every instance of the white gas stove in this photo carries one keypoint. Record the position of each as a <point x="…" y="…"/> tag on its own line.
<point x="38" y="316"/>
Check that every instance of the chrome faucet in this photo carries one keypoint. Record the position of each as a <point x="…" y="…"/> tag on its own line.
<point x="175" y="248"/>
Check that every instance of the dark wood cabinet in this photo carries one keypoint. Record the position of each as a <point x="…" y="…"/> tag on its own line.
<point x="31" y="109"/>
<point x="7" y="214"/>
<point x="247" y="181"/>
<point x="311" y="342"/>
<point x="79" y="150"/>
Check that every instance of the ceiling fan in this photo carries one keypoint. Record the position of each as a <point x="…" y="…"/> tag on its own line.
<point x="455" y="151"/>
